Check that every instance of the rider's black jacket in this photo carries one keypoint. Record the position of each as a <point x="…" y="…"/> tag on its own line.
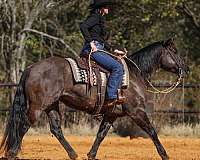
<point x="93" y="28"/>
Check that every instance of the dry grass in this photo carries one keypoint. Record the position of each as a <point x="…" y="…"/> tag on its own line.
<point x="181" y="130"/>
<point x="2" y="126"/>
<point x="77" y="130"/>
<point x="85" y="129"/>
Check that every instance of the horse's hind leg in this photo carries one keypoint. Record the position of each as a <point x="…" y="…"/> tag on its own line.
<point x="55" y="127"/>
<point x="141" y="119"/>
<point x="17" y="147"/>
<point x="102" y="132"/>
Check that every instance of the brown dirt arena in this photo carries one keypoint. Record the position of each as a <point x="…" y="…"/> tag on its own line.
<point x="113" y="148"/>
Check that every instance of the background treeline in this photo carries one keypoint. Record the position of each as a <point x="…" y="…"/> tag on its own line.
<point x="31" y="30"/>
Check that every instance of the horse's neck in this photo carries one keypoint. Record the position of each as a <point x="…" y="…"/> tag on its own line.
<point x="146" y="73"/>
<point x="147" y="61"/>
<point x="140" y="80"/>
<point x="146" y="66"/>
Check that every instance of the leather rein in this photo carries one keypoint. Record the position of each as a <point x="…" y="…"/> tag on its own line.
<point x="155" y="90"/>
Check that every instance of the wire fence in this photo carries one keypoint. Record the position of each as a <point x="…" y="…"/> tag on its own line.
<point x="159" y="117"/>
<point x="171" y="114"/>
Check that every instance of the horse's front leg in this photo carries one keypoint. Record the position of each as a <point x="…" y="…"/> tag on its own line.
<point x="102" y="132"/>
<point x="140" y="117"/>
<point x="56" y="130"/>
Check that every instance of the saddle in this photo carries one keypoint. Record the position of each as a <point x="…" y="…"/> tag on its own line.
<point x="83" y="64"/>
<point x="98" y="77"/>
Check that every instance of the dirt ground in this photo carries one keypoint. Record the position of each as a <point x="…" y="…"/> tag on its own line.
<point x="113" y="148"/>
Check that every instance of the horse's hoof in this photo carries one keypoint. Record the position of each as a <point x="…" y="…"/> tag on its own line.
<point x="10" y="155"/>
<point x="73" y="156"/>
<point x="165" y="158"/>
<point x="91" y="157"/>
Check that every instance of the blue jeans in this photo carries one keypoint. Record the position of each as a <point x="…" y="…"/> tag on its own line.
<point x="113" y="66"/>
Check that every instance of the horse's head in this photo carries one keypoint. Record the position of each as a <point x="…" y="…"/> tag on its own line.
<point x="171" y="61"/>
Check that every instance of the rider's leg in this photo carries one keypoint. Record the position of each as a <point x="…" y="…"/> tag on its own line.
<point x="116" y="72"/>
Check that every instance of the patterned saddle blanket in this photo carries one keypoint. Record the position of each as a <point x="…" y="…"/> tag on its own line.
<point x="80" y="75"/>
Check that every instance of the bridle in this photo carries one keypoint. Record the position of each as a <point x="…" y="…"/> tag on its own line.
<point x="174" y="85"/>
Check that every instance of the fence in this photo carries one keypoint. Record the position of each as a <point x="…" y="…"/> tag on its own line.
<point x="158" y="115"/>
<point x="160" y="85"/>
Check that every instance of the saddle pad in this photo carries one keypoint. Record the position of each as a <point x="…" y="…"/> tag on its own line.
<point x="81" y="75"/>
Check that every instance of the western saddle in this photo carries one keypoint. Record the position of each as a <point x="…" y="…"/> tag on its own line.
<point x="92" y="69"/>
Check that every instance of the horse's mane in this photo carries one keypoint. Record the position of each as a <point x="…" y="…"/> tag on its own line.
<point x="147" y="59"/>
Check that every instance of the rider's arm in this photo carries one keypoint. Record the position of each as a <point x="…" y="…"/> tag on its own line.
<point x="86" y="25"/>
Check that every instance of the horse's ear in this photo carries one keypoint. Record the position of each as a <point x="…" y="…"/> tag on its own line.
<point x="168" y="42"/>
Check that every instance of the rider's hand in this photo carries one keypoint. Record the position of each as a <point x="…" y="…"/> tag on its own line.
<point x="120" y="52"/>
<point x="93" y="46"/>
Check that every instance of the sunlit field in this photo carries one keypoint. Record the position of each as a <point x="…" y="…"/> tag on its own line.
<point x="113" y="148"/>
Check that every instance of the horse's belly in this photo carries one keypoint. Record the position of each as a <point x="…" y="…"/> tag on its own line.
<point x="82" y="103"/>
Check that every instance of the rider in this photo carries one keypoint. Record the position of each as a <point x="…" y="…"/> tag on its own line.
<point x="94" y="33"/>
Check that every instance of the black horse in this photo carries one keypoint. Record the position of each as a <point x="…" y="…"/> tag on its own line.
<point x="47" y="82"/>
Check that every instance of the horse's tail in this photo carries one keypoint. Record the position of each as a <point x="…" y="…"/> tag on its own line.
<point x="17" y="122"/>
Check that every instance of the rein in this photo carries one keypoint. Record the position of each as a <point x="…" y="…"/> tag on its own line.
<point x="90" y="68"/>
<point x="155" y="90"/>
